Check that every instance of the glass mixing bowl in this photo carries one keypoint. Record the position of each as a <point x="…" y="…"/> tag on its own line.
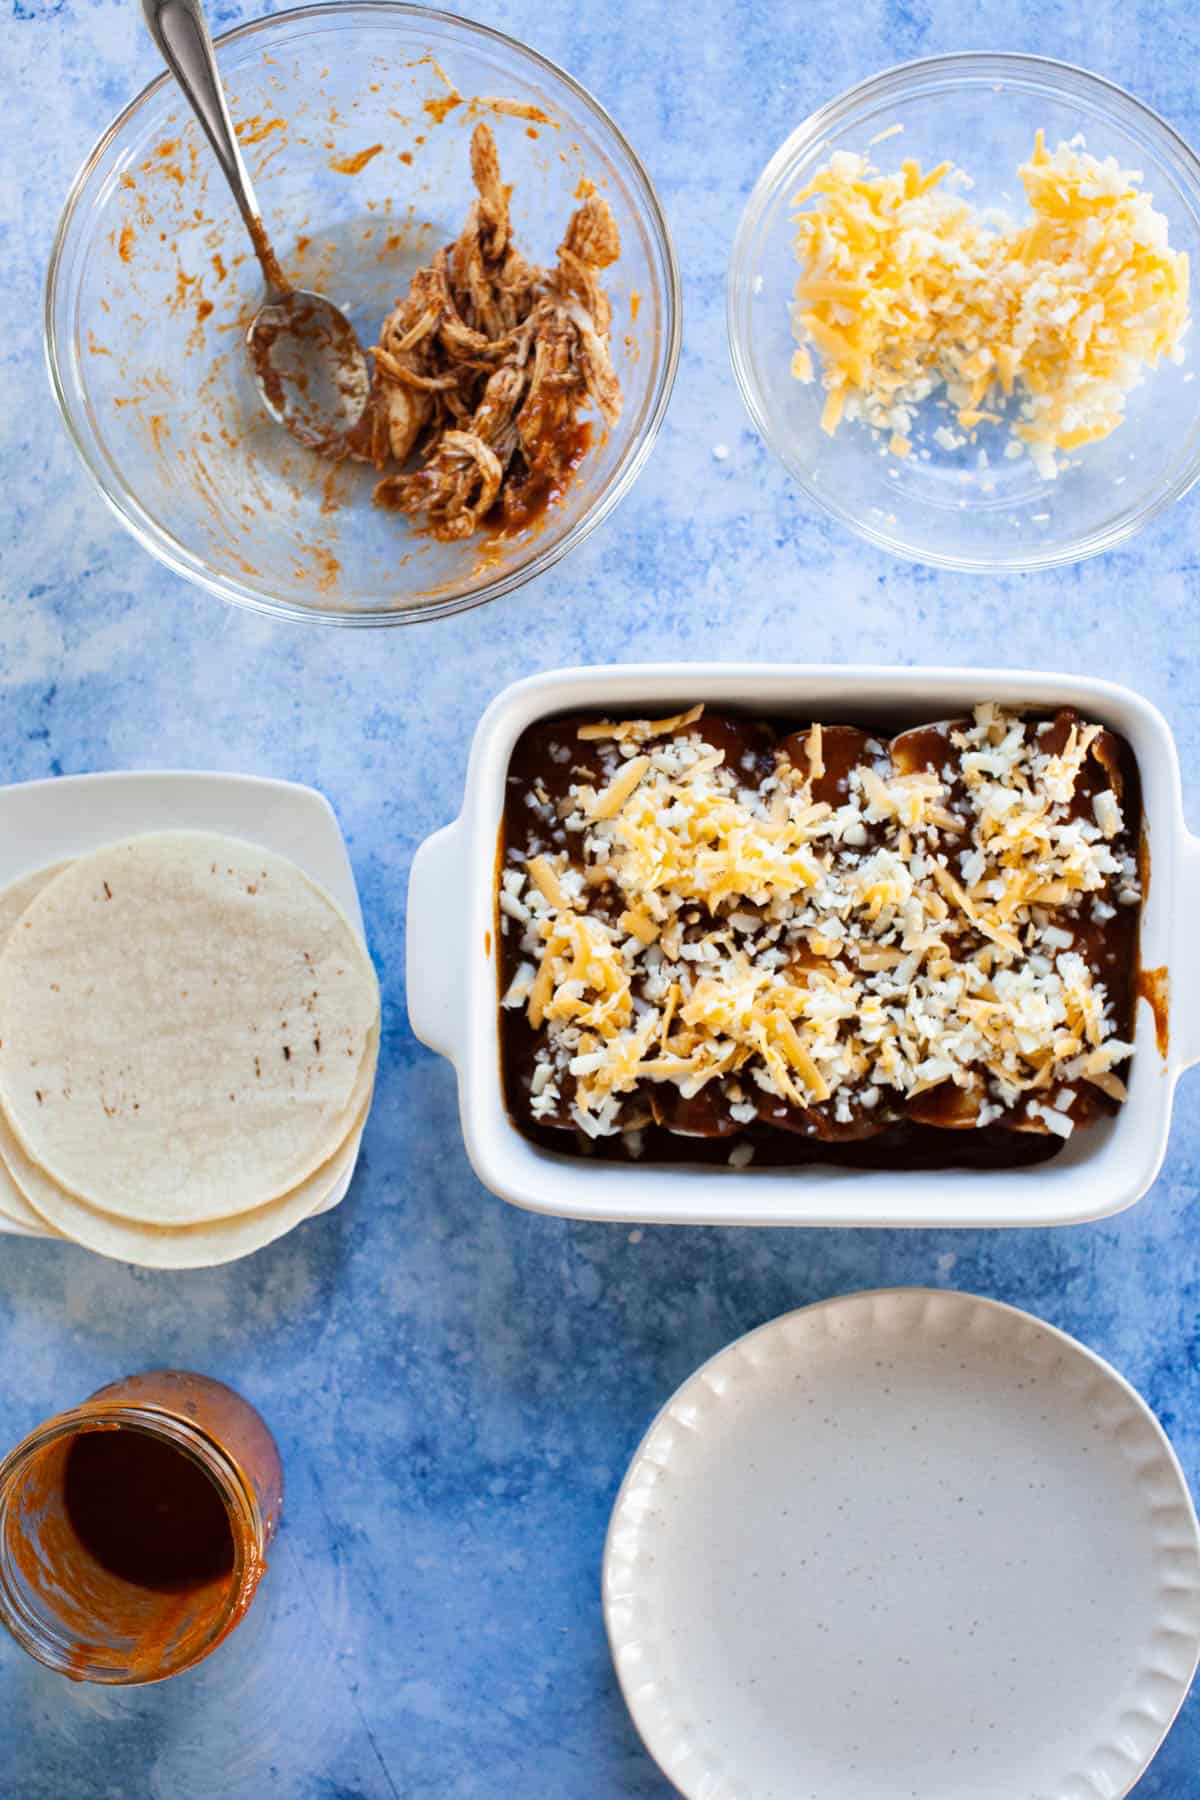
<point x="355" y="119"/>
<point x="956" y="508"/>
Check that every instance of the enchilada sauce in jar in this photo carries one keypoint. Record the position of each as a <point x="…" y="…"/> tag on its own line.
<point x="134" y="1528"/>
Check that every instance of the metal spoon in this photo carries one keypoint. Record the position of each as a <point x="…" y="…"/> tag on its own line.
<point x="308" y="363"/>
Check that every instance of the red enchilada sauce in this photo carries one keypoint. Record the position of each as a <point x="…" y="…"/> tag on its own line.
<point x="541" y="484"/>
<point x="146" y="1512"/>
<point x="1154" y="987"/>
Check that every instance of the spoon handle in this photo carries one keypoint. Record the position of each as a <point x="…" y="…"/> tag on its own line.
<point x="180" y="30"/>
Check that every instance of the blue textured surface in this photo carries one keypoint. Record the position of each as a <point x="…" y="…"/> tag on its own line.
<point x="456" y="1386"/>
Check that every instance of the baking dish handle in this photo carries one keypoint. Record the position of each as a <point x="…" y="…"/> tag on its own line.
<point x="1184" y="976"/>
<point x="437" y="948"/>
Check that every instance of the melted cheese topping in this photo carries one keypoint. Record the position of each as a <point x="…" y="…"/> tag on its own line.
<point x="907" y="286"/>
<point x="701" y="929"/>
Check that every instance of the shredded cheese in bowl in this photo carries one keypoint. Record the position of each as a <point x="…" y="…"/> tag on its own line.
<point x="907" y="290"/>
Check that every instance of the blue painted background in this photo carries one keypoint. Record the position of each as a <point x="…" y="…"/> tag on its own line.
<point x="457" y="1387"/>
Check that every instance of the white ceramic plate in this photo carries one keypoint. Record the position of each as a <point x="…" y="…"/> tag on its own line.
<point x="43" y="822"/>
<point x="904" y="1545"/>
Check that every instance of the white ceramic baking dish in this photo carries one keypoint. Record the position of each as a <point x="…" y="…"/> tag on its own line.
<point x="452" y="975"/>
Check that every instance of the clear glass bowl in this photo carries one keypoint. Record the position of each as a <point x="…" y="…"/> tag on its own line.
<point x="355" y="119"/>
<point x="980" y="111"/>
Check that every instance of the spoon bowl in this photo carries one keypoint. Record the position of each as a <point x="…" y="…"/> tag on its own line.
<point x="309" y="368"/>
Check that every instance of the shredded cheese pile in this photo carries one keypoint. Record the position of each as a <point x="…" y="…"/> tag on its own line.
<point x="907" y="287"/>
<point x="683" y="924"/>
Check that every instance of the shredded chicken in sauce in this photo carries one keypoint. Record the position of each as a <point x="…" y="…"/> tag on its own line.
<point x="484" y="366"/>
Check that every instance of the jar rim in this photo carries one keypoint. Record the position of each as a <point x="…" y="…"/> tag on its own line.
<point x="35" y="1630"/>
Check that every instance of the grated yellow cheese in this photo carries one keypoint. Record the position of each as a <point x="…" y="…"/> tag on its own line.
<point x="610" y="802"/>
<point x="907" y="288"/>
<point x="638" y="730"/>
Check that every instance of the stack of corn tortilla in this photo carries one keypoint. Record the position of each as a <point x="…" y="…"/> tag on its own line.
<point x="188" y="1035"/>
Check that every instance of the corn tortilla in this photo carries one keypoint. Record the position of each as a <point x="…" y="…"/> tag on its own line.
<point x="184" y="1246"/>
<point x="13" y="901"/>
<point x="184" y="1021"/>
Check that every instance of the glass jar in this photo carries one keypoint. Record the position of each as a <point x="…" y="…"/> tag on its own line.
<point x="128" y="1559"/>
